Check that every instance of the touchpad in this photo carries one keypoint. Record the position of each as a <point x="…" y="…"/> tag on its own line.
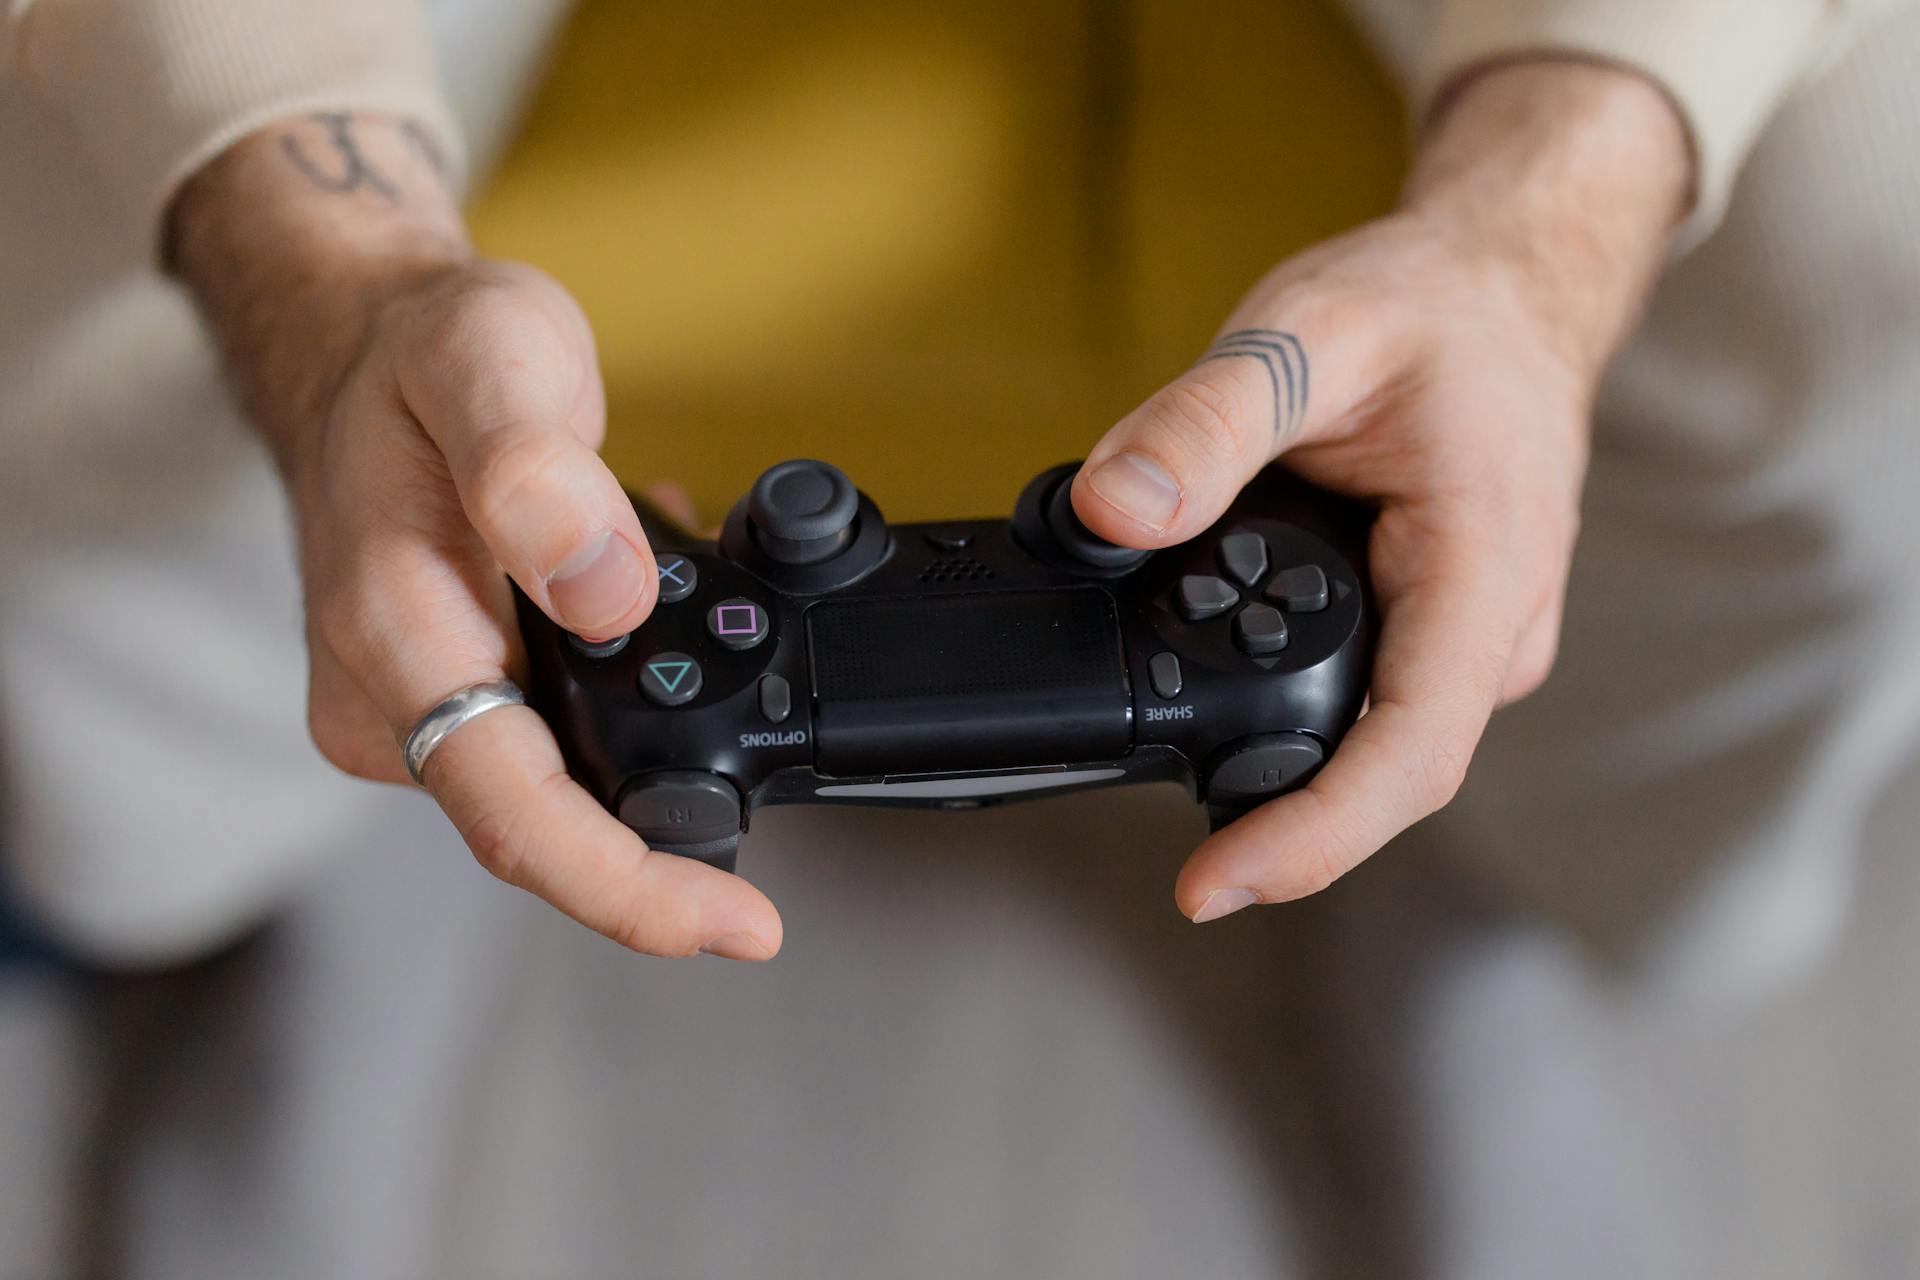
<point x="954" y="682"/>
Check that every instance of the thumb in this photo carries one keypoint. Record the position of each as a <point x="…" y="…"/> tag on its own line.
<point x="1167" y="470"/>
<point x="502" y="377"/>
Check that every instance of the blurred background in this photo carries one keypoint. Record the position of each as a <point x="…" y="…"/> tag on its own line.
<point x="940" y="245"/>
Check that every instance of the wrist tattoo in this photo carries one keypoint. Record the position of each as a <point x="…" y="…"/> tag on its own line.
<point x="424" y="143"/>
<point x="351" y="170"/>
<point x="1285" y="361"/>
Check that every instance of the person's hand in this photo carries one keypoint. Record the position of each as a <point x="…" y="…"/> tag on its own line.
<point x="437" y="419"/>
<point x="1443" y="362"/>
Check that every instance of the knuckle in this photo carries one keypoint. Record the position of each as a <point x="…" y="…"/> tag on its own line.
<point x="444" y="332"/>
<point x="498" y="838"/>
<point x="1530" y="671"/>
<point x="1339" y="850"/>
<point x="512" y="469"/>
<point x="1315" y="871"/>
<point x="512" y="839"/>
<point x="664" y="929"/>
<point x="337" y="616"/>
<point x="1204" y="414"/>
<point x="1330" y="854"/>
<point x="1443" y="770"/>
<point x="342" y="744"/>
<point x="1524" y="682"/>
<point x="485" y="318"/>
<point x="463" y="318"/>
<point x="1337" y="307"/>
<point x="348" y="613"/>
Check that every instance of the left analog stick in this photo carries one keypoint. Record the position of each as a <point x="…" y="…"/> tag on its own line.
<point x="802" y="512"/>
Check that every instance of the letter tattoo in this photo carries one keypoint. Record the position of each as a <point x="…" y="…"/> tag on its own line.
<point x="354" y="173"/>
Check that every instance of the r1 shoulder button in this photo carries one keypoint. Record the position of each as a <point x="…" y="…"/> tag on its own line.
<point x="678" y="577"/>
<point x="1163" y="672"/>
<point x="1244" y="556"/>
<point x="680" y="807"/>
<point x="1265" y="766"/>
<point x="670" y="679"/>
<point x="776" y="698"/>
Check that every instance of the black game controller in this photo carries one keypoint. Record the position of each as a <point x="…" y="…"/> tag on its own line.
<point x="817" y="656"/>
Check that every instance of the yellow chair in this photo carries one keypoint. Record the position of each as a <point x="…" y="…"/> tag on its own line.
<point x="940" y="245"/>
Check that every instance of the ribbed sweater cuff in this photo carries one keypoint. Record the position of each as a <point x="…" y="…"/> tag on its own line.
<point x="150" y="91"/>
<point x="1725" y="63"/>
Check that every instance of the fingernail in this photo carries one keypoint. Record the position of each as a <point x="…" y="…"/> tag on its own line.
<point x="736" y="946"/>
<point x="597" y="585"/>
<point x="1224" y="902"/>
<point x="1138" y="486"/>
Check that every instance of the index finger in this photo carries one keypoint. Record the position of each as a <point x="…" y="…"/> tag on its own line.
<point x="501" y="779"/>
<point x="504" y="382"/>
<point x="415" y="629"/>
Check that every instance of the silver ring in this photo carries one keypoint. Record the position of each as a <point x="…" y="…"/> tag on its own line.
<point x="456" y="710"/>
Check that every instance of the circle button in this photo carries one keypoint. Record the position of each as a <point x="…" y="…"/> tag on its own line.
<point x="737" y="623"/>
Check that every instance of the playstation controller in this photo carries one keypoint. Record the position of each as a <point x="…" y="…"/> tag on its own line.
<point x="817" y="655"/>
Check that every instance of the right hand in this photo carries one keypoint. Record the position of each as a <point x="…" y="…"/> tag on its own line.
<point x="1456" y="346"/>
<point x="452" y="448"/>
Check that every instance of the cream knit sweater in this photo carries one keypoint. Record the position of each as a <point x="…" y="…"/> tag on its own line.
<point x="152" y="90"/>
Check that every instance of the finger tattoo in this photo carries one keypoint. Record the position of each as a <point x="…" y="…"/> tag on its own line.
<point x="1285" y="361"/>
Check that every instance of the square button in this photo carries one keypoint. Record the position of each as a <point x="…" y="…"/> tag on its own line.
<point x="737" y="623"/>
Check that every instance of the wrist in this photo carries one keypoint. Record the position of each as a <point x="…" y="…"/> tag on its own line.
<point x="1560" y="179"/>
<point x="295" y="240"/>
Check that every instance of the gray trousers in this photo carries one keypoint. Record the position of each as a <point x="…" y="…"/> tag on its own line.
<point x="991" y="1048"/>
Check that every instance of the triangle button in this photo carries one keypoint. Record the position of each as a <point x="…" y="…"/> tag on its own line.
<point x="670" y="679"/>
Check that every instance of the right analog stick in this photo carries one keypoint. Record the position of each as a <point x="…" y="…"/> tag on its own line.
<point x="1080" y="542"/>
<point x="802" y="512"/>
